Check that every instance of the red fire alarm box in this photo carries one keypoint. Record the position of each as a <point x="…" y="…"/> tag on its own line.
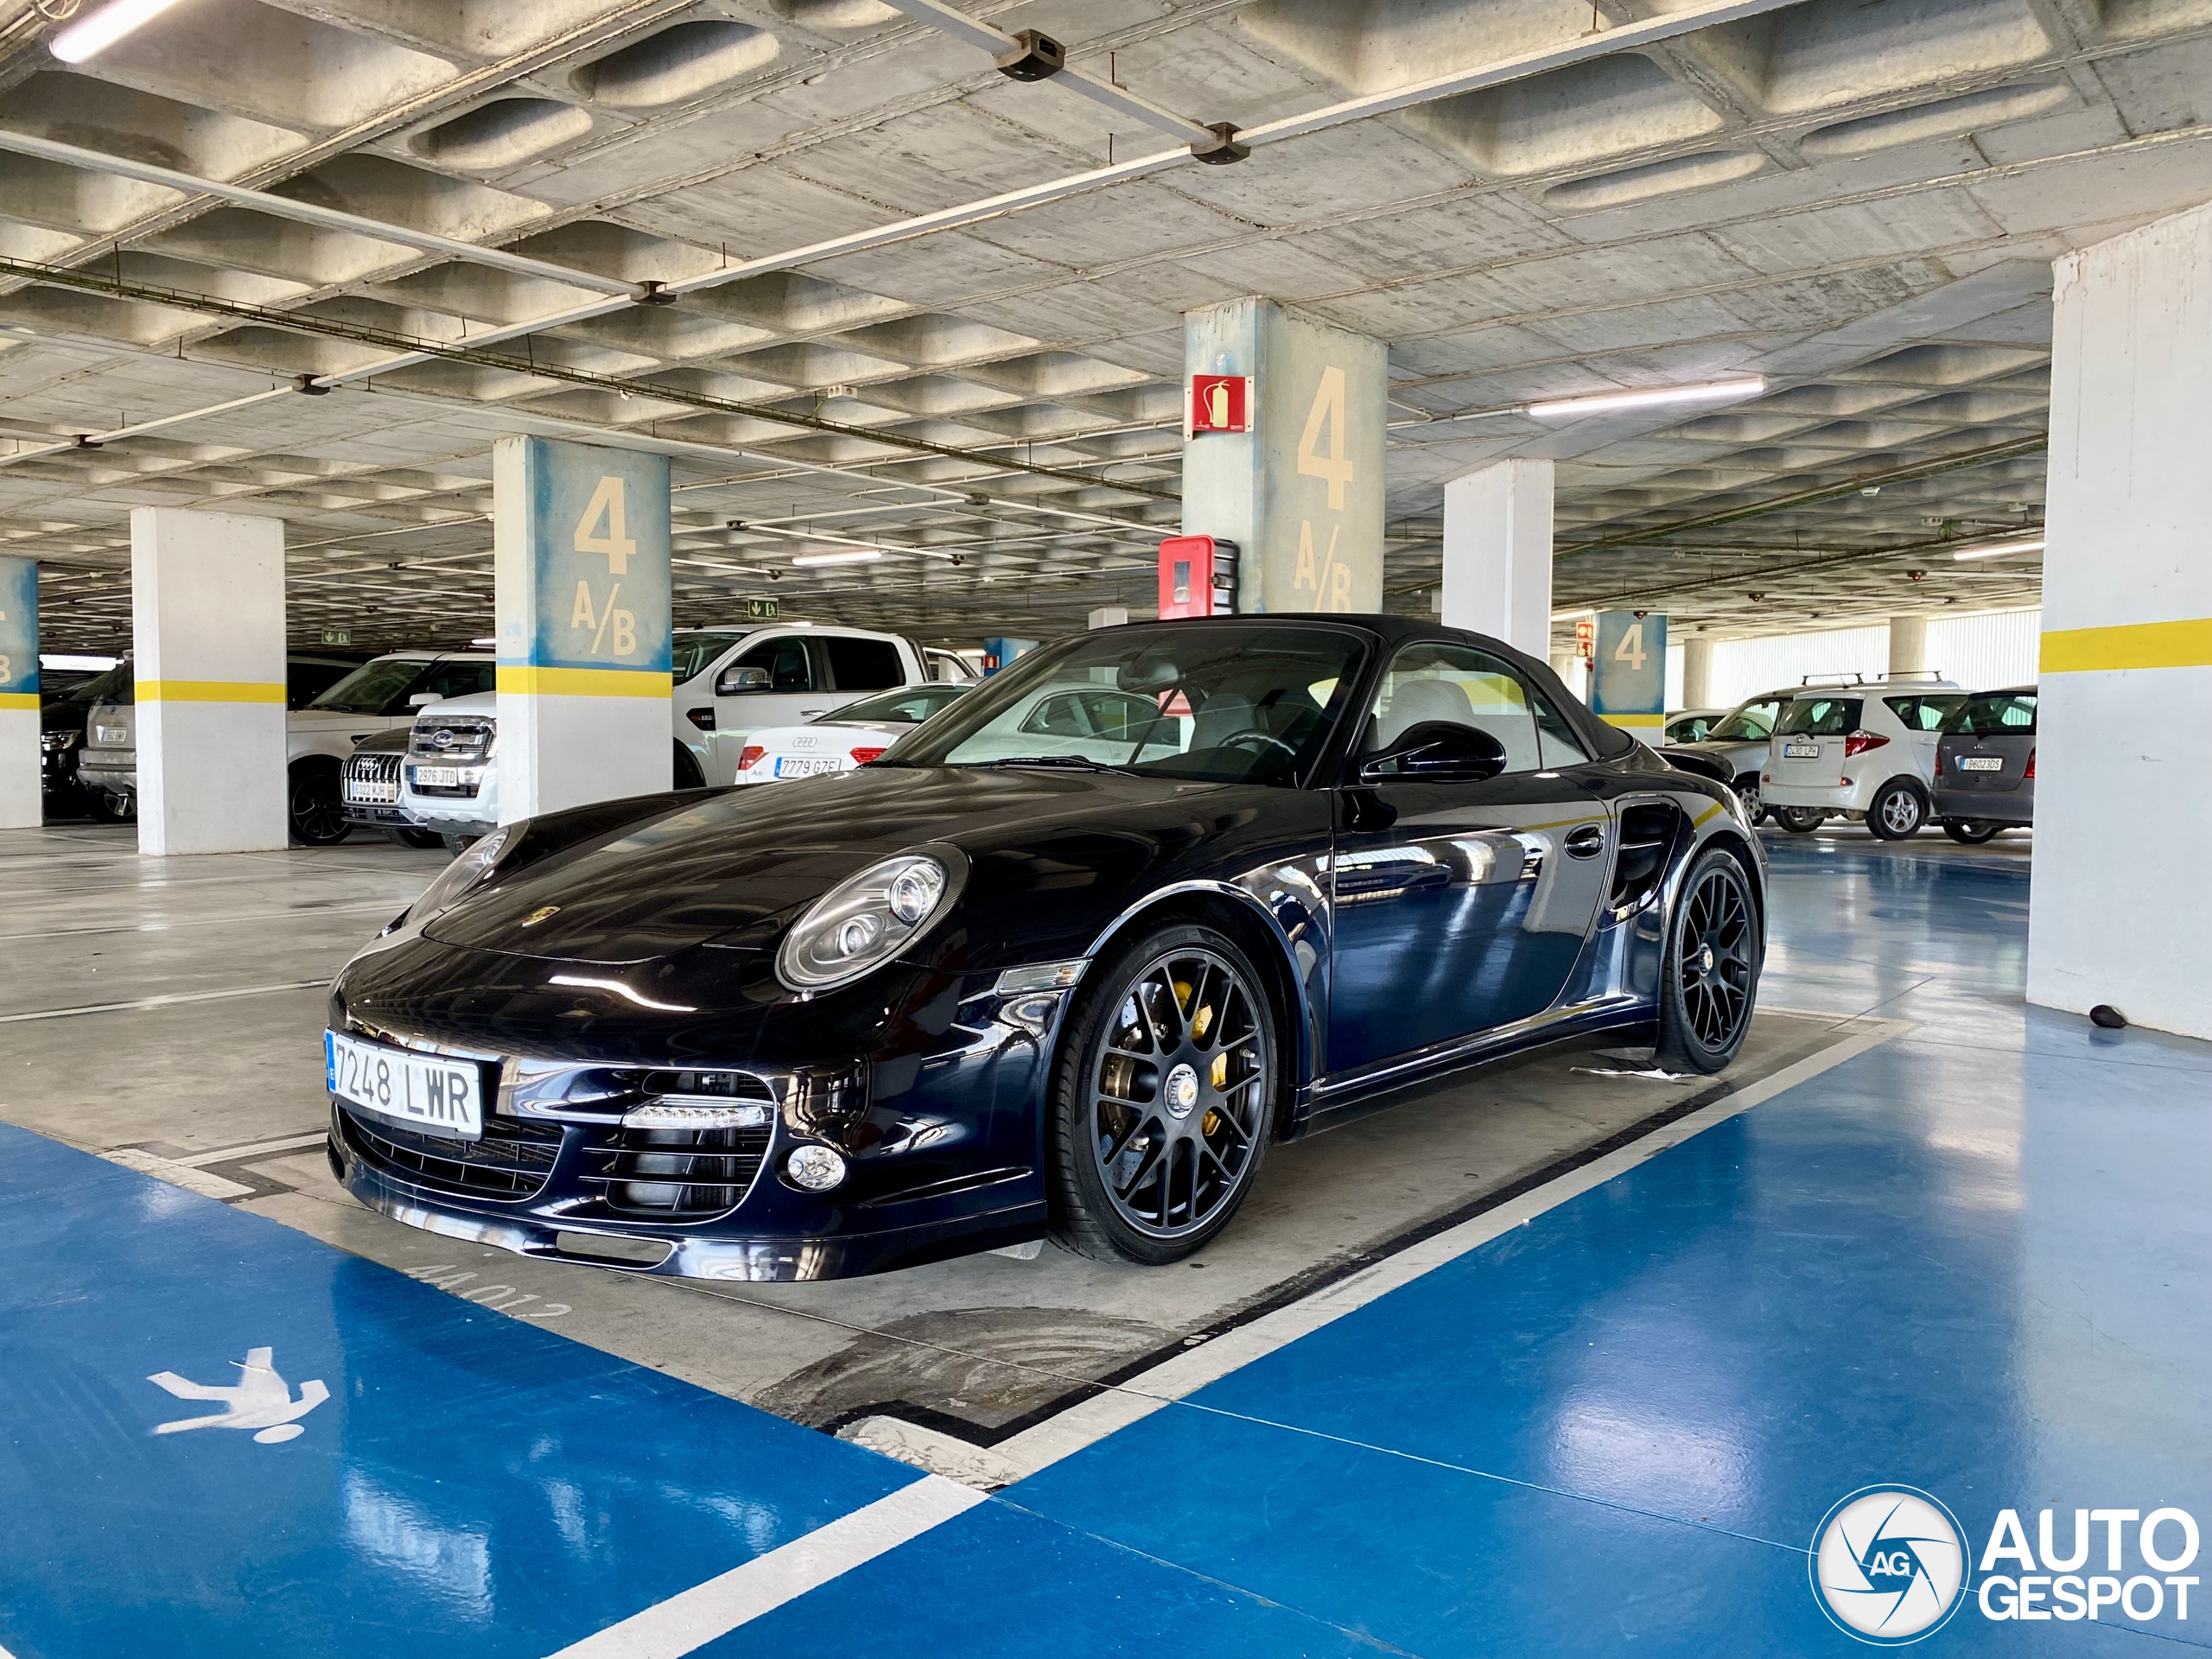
<point x="1585" y="638"/>
<point x="1220" y="403"/>
<point x="1197" y="577"/>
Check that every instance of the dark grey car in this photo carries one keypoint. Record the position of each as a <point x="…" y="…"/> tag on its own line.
<point x="1986" y="765"/>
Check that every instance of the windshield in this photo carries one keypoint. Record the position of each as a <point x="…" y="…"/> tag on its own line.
<point x="103" y="686"/>
<point x="1820" y="717"/>
<point x="1223" y="701"/>
<point x="372" y="688"/>
<point x="1753" y="722"/>
<point x="908" y="705"/>
<point x="688" y="654"/>
<point x="2002" y="713"/>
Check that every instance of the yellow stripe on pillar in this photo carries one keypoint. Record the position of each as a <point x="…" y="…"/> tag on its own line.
<point x="2137" y="644"/>
<point x="18" y="699"/>
<point x="584" y="682"/>
<point x="210" y="691"/>
<point x="1634" y="722"/>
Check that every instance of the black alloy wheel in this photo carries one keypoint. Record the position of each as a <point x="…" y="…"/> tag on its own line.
<point x="1897" y="812"/>
<point x="318" y="813"/>
<point x="1971" y="832"/>
<point x="1162" y="1098"/>
<point x="1798" y="820"/>
<point x="1713" y="951"/>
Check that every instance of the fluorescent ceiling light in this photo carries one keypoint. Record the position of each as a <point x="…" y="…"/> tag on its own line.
<point x="848" y="555"/>
<point x="1601" y="403"/>
<point x="1572" y="616"/>
<point x="88" y="36"/>
<point x="1998" y="550"/>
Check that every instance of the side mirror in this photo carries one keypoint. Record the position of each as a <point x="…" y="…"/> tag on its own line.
<point x="1437" y="752"/>
<point x="736" y="680"/>
<point x="418" y="699"/>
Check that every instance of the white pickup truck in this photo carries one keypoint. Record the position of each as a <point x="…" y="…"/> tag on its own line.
<point x="729" y="683"/>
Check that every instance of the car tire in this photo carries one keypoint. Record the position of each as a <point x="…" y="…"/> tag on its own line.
<point x="1970" y="832"/>
<point x="1171" y="1043"/>
<point x="316" y="811"/>
<point x="1747" y="791"/>
<point x="418" y="839"/>
<point x="1798" y="820"/>
<point x="456" y="845"/>
<point x="1711" y="980"/>
<point x="1898" y="811"/>
<point x="685" y="773"/>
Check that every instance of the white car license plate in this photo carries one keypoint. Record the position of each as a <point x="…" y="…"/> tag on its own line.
<point x="793" y="766"/>
<point x="110" y="734"/>
<point x="431" y="1094"/>
<point x="372" y="793"/>
<point x="437" y="777"/>
<point x="1981" y="763"/>
<point x="1801" y="751"/>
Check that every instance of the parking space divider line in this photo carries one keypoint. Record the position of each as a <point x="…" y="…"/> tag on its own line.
<point x="162" y="1002"/>
<point x="689" y="1619"/>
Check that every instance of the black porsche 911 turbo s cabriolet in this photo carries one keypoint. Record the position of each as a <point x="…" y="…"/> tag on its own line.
<point x="1064" y="960"/>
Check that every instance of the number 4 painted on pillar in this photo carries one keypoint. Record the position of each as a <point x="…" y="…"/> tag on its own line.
<point x="1329" y="408"/>
<point x="606" y="508"/>
<point x="1630" y="649"/>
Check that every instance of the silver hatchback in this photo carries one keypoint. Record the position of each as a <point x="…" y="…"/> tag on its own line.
<point x="1986" y="765"/>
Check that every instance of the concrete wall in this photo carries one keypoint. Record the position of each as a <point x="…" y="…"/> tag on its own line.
<point x="2118" y="913"/>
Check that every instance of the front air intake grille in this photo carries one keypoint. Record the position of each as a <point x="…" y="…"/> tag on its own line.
<point x="510" y="1160"/>
<point x="378" y="770"/>
<point x="674" y="1173"/>
<point x="466" y="739"/>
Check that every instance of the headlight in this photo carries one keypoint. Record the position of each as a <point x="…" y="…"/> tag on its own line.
<point x="53" y="741"/>
<point x="866" y="920"/>
<point x="464" y="873"/>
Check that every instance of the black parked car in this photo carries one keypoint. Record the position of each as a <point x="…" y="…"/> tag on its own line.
<point x="1010" y="980"/>
<point x="64" y="704"/>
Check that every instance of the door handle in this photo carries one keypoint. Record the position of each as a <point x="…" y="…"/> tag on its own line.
<point x="809" y="714"/>
<point x="1586" y="843"/>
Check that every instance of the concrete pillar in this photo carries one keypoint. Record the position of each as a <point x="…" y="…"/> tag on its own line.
<point x="1110" y="616"/>
<point x="580" y="543"/>
<point x="20" y="794"/>
<point x="1627" y="675"/>
<point x="1300" y="491"/>
<point x="1697" y="673"/>
<point x="207" y="641"/>
<point x="1908" y="643"/>
<point x="2126" y="677"/>
<point x="1497" y="553"/>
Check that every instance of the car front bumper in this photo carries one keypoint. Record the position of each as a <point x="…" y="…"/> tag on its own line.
<point x="937" y="1119"/>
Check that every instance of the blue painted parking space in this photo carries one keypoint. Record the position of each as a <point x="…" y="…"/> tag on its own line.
<point x="470" y="1485"/>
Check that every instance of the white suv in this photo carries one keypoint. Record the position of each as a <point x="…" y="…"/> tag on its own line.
<point x="730" y="683"/>
<point x="1863" y="751"/>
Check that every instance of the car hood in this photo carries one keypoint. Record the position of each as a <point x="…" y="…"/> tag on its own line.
<point x="731" y="867"/>
<point x="1721" y="745"/>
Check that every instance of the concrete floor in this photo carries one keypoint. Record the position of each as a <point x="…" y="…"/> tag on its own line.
<point x="167" y="1016"/>
<point x="1959" y="1246"/>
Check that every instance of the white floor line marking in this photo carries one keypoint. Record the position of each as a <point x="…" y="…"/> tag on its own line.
<point x="162" y="1002"/>
<point x="693" y="1618"/>
<point x="176" y="1174"/>
<point x="1091" y="1421"/>
<point x="254" y="1149"/>
<point x="368" y="908"/>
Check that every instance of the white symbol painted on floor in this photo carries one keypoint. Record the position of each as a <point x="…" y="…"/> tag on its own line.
<point x="262" y="1400"/>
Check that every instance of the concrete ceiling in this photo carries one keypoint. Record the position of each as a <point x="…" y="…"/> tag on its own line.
<point x="1858" y="199"/>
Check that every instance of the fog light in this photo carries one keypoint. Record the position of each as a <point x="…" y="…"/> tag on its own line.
<point x="816" y="1169"/>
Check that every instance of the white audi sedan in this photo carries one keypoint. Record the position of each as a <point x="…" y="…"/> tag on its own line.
<point x="851" y="736"/>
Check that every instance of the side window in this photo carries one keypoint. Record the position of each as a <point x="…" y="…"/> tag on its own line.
<point x="786" y="661"/>
<point x="1060" y="716"/>
<point x="864" y="664"/>
<point x="1120" y="716"/>
<point x="1919" y="714"/>
<point x="1463" y="687"/>
<point x="1561" y="746"/>
<point x="1760" y="716"/>
<point x="306" y="680"/>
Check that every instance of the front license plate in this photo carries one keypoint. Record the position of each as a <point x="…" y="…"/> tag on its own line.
<point x="791" y="766"/>
<point x="437" y="777"/>
<point x="430" y="1094"/>
<point x="372" y="794"/>
<point x="1801" y="751"/>
<point x="110" y="734"/>
<point x="1982" y="763"/>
